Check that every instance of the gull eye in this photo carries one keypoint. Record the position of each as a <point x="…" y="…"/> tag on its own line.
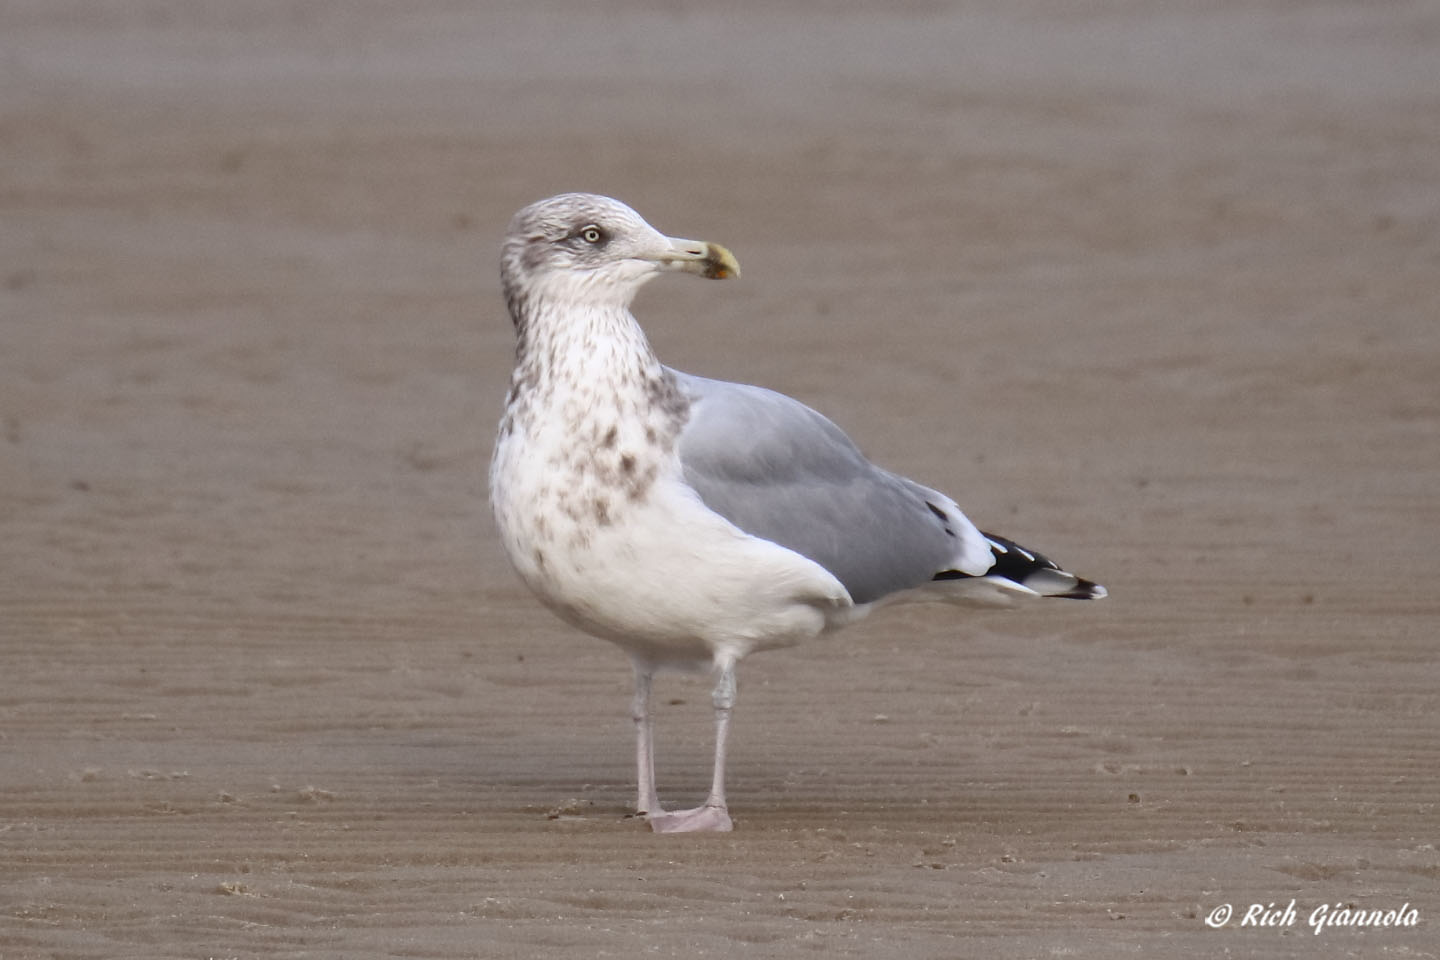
<point x="592" y="234"/>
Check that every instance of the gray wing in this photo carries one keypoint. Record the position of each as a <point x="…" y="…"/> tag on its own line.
<point x="779" y="470"/>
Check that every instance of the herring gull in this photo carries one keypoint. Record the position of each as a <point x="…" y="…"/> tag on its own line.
<point x="693" y="521"/>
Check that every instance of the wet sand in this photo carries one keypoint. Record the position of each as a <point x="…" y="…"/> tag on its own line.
<point x="1151" y="287"/>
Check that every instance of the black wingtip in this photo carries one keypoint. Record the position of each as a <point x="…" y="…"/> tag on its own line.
<point x="1033" y="570"/>
<point x="1083" y="590"/>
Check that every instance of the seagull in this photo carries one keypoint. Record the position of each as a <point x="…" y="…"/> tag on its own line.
<point x="691" y="521"/>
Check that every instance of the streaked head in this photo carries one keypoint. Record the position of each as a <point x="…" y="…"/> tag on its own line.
<point x="585" y="246"/>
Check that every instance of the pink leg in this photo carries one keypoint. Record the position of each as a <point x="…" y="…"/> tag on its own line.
<point x="647" y="802"/>
<point x="713" y="816"/>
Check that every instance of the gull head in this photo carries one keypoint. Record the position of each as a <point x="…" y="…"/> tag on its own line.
<point x="588" y="248"/>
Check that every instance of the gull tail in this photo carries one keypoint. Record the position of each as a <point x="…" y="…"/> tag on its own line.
<point x="1019" y="572"/>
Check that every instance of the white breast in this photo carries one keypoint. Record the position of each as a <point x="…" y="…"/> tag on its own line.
<point x="594" y="513"/>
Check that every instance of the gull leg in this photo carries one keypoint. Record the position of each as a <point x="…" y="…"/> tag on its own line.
<point x="723" y="698"/>
<point x="713" y="816"/>
<point x="647" y="802"/>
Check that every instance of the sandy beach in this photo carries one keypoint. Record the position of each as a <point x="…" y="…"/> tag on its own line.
<point x="1151" y="287"/>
